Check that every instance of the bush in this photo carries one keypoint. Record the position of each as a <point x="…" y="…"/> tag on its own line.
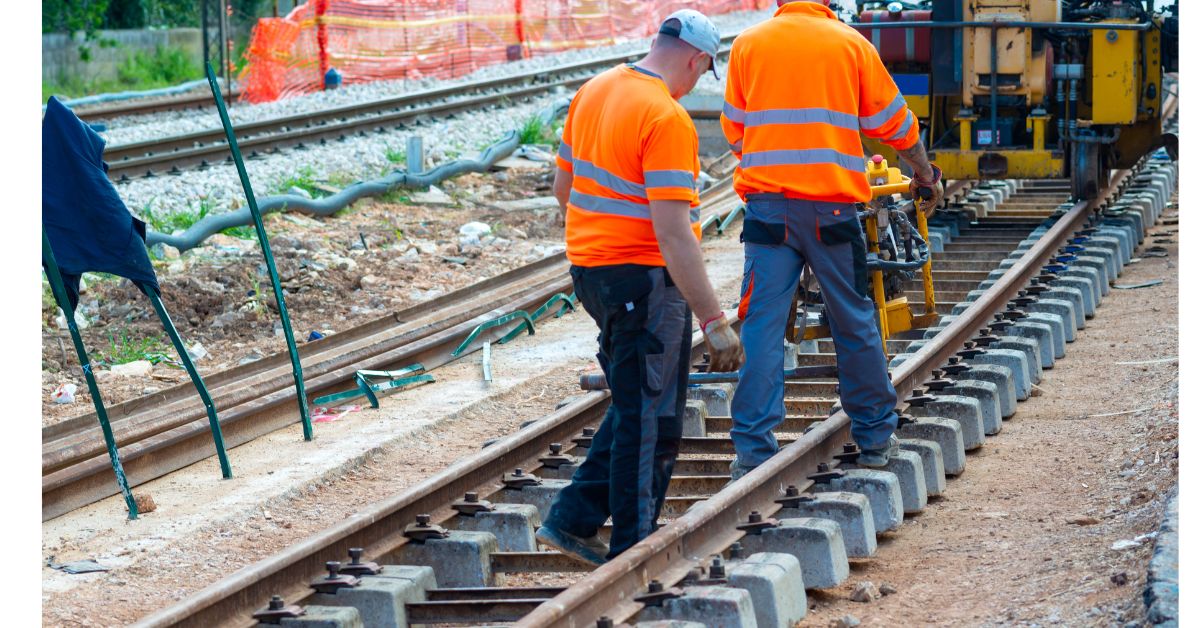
<point x="162" y="68"/>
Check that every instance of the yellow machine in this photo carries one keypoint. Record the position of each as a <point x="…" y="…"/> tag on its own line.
<point x="896" y="251"/>
<point x="1029" y="89"/>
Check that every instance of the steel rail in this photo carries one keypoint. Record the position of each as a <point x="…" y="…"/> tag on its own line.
<point x="710" y="526"/>
<point x="379" y="529"/>
<point x="139" y="106"/>
<point x="166" y="432"/>
<point x="135" y="158"/>
<point x="230" y="601"/>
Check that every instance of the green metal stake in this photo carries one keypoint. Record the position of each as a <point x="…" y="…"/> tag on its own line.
<point x="213" y="423"/>
<point x="297" y="374"/>
<point x="60" y="295"/>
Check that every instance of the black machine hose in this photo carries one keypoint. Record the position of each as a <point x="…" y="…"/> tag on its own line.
<point x="207" y="226"/>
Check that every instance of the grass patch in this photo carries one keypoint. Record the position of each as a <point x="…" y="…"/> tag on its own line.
<point x="242" y="232"/>
<point x="178" y="220"/>
<point x="305" y="179"/>
<point x="141" y="70"/>
<point x="396" y="156"/>
<point x="535" y="131"/>
<point x="399" y="196"/>
<point x="126" y="349"/>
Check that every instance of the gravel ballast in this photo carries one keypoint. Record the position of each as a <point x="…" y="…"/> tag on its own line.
<point x="217" y="189"/>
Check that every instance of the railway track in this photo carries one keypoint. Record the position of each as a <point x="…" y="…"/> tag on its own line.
<point x="1033" y="258"/>
<point x="171" y="155"/>
<point x="140" y="106"/>
<point x="167" y="431"/>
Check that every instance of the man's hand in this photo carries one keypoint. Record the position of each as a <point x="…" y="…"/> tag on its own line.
<point x="927" y="194"/>
<point x="725" y="351"/>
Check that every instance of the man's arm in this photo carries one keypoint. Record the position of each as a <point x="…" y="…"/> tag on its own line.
<point x="681" y="251"/>
<point x="884" y="115"/>
<point x="733" y="117"/>
<point x="562" y="190"/>
<point x="916" y="159"/>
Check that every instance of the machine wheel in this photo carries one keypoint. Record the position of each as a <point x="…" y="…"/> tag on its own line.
<point x="1086" y="170"/>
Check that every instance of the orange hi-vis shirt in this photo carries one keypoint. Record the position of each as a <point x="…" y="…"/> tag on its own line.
<point x="627" y="142"/>
<point x="801" y="86"/>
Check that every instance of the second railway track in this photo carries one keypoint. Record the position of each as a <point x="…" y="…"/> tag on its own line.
<point x="997" y="268"/>
<point x="171" y="155"/>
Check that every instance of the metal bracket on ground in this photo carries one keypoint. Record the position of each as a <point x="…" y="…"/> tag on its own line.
<point x="526" y="321"/>
<point x="394" y="379"/>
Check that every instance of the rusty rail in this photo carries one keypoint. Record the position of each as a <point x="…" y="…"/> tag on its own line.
<point x="168" y="431"/>
<point x="670" y="552"/>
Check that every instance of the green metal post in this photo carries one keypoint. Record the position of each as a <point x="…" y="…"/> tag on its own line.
<point x="297" y="374"/>
<point x="213" y="423"/>
<point x="60" y="295"/>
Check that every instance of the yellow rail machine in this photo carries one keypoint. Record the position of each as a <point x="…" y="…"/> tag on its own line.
<point x="1029" y="89"/>
<point x="897" y="252"/>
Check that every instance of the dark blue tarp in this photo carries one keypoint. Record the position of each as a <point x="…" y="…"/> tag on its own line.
<point x="89" y="228"/>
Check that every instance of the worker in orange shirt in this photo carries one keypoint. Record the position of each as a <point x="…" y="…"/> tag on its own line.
<point x="801" y="86"/>
<point x="627" y="172"/>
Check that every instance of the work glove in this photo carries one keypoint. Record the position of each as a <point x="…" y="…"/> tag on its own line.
<point x="928" y="194"/>
<point x="724" y="347"/>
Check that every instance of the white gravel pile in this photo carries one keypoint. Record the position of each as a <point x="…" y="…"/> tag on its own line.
<point x="357" y="158"/>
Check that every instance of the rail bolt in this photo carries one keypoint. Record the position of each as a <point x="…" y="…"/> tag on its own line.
<point x="276" y="610"/>
<point x="518" y="479"/>
<point x="357" y="567"/>
<point x="423" y="530"/>
<point x="334" y="581"/>
<point x="470" y="505"/>
<point x="756" y="523"/>
<point x="556" y="458"/>
<point x="824" y="474"/>
<point x="717" y="568"/>
<point x="792" y="497"/>
<point x="656" y="594"/>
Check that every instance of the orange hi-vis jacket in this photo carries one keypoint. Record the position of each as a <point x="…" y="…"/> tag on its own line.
<point x="801" y="86"/>
<point x="627" y="142"/>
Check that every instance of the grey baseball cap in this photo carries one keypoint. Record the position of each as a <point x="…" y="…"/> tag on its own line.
<point x="695" y="29"/>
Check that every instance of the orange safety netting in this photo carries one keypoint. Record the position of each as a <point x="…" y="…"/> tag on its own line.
<point x="371" y="40"/>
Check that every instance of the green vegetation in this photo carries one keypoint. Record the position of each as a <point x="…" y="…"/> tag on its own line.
<point x="162" y="68"/>
<point x="126" y="349"/>
<point x="243" y="232"/>
<point x="305" y="179"/>
<point x="90" y="17"/>
<point x="535" y="131"/>
<point x="171" y="221"/>
<point x="396" y="156"/>
<point x="399" y="196"/>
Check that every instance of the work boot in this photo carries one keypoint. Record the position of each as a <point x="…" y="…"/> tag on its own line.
<point x="736" y="470"/>
<point x="876" y="458"/>
<point x="590" y="550"/>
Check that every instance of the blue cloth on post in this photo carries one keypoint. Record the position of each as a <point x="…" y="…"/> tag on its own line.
<point x="88" y="226"/>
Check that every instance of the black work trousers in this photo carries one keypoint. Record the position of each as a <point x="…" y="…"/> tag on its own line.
<point x="645" y="353"/>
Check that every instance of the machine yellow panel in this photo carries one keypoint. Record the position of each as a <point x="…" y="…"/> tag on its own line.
<point x="1012" y="46"/>
<point x="1115" y="80"/>
<point x="919" y="105"/>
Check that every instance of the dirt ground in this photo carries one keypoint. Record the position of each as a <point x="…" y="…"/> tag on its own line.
<point x="285" y="490"/>
<point x="1025" y="537"/>
<point x="337" y="272"/>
